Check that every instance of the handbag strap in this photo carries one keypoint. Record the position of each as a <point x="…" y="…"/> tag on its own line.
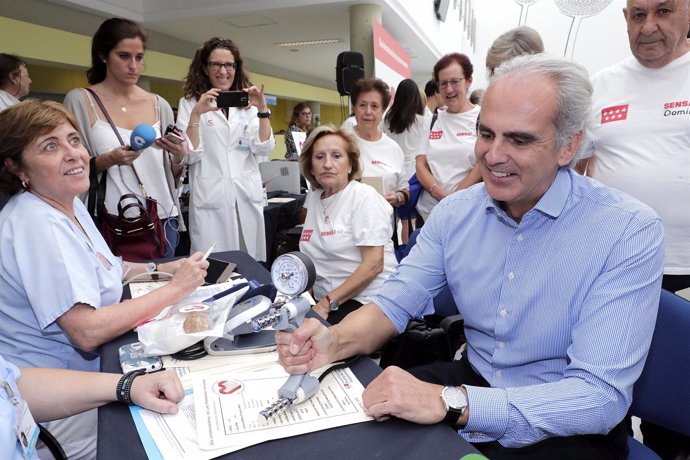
<point x="117" y="133"/>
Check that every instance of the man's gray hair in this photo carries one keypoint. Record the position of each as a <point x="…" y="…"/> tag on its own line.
<point x="573" y="85"/>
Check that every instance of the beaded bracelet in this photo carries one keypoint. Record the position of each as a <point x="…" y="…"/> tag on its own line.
<point x="124" y="387"/>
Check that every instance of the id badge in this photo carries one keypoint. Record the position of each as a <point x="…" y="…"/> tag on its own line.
<point x="27" y="430"/>
<point x="244" y="137"/>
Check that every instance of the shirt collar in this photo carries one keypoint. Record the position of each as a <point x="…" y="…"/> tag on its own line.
<point x="7" y="98"/>
<point x="551" y="203"/>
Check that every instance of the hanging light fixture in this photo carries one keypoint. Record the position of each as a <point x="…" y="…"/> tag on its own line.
<point x="578" y="9"/>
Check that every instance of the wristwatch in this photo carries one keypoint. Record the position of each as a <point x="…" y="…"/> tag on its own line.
<point x="455" y="402"/>
<point x="266" y="114"/>
<point x="151" y="268"/>
<point x="333" y="304"/>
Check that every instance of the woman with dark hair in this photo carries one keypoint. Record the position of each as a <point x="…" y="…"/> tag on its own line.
<point x="60" y="285"/>
<point x="446" y="162"/>
<point x="406" y="125"/>
<point x="226" y="146"/>
<point x="300" y="122"/>
<point x="381" y="156"/>
<point x="117" y="60"/>
<point x="347" y="229"/>
<point x="14" y="80"/>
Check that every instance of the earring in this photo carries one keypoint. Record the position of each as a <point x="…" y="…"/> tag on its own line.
<point x="25" y="184"/>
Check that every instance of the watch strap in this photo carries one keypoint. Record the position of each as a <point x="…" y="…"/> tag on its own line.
<point x="452" y="416"/>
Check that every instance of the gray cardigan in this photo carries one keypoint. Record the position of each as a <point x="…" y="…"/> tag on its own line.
<point x="74" y="101"/>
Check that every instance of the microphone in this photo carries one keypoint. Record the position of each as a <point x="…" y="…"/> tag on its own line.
<point x="142" y="137"/>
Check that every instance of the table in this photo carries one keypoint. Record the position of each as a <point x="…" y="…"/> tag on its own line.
<point x="118" y="438"/>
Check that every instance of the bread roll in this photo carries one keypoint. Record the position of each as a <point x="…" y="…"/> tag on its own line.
<point x="196" y="322"/>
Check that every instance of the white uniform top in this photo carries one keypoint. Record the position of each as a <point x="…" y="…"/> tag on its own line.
<point x="10" y="449"/>
<point x="7" y="100"/>
<point x="47" y="265"/>
<point x="449" y="151"/>
<point x="121" y="179"/>
<point x="410" y="142"/>
<point x="224" y="180"/>
<point x="336" y="226"/>
<point x="640" y="136"/>
<point x="383" y="158"/>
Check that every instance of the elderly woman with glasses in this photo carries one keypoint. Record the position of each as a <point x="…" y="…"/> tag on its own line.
<point x="299" y="123"/>
<point x="227" y="144"/>
<point x="445" y="162"/>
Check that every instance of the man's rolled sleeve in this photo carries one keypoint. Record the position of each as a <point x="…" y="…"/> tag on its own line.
<point x="397" y="292"/>
<point x="488" y="414"/>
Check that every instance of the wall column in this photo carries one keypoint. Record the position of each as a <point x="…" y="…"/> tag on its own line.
<point x="362" y="33"/>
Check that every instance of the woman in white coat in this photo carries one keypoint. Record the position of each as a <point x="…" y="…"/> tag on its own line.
<point x="226" y="195"/>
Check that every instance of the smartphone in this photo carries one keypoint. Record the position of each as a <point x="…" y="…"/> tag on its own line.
<point x="232" y="99"/>
<point x="173" y="134"/>
<point x="132" y="359"/>
<point x="218" y="271"/>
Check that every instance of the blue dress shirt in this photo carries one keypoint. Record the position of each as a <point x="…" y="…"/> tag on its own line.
<point x="559" y="308"/>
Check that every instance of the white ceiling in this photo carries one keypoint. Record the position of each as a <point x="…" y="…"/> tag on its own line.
<point x="180" y="26"/>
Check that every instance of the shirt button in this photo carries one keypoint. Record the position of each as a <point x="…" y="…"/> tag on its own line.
<point x="520" y="237"/>
<point x="498" y="373"/>
<point x="511" y="275"/>
<point x="501" y="345"/>
<point x="504" y="312"/>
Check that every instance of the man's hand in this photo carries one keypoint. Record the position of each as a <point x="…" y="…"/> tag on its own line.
<point x="305" y="349"/>
<point x="159" y="391"/>
<point x="396" y="392"/>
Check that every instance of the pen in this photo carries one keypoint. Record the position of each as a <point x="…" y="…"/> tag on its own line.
<point x="208" y="253"/>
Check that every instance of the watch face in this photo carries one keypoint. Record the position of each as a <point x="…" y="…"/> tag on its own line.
<point x="454" y="398"/>
<point x="334" y="305"/>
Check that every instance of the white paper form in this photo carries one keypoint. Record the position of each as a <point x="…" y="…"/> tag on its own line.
<point x="172" y="436"/>
<point x="227" y="408"/>
<point x="212" y="365"/>
<point x="199" y="294"/>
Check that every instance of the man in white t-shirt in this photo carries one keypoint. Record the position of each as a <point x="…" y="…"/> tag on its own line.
<point x="639" y="140"/>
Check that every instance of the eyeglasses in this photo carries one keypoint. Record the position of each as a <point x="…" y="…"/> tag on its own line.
<point x="306" y="114"/>
<point x="455" y="82"/>
<point x="216" y="66"/>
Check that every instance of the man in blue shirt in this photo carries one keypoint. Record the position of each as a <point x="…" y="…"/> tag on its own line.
<point x="557" y="278"/>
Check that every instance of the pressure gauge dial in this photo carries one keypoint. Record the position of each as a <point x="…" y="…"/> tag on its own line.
<point x="293" y="273"/>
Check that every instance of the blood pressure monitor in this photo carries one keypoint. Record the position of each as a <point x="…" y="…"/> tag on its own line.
<point x="293" y="273"/>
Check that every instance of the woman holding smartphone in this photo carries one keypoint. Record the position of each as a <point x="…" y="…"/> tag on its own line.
<point x="117" y="60"/>
<point x="226" y="146"/>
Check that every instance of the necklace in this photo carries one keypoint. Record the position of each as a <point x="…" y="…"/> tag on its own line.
<point x="123" y="109"/>
<point x="326" y="204"/>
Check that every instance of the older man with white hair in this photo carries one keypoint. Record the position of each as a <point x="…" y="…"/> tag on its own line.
<point x="639" y="139"/>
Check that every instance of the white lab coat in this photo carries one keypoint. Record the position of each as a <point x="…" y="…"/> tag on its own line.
<point x="224" y="180"/>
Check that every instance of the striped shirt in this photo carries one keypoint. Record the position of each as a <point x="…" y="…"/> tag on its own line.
<point x="559" y="308"/>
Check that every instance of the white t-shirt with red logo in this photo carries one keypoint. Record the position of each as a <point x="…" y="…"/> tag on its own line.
<point x="383" y="158"/>
<point x="449" y="151"/>
<point x="640" y="136"/>
<point x="334" y="229"/>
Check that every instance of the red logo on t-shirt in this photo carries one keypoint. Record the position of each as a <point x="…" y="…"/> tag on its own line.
<point x="379" y="162"/>
<point x="614" y="113"/>
<point x="435" y="135"/>
<point x="306" y="235"/>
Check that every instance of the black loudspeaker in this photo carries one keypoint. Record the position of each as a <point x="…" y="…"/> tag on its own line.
<point x="349" y="68"/>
